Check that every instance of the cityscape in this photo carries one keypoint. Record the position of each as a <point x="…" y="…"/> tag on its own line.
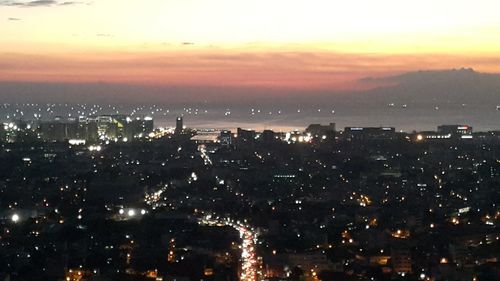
<point x="249" y="140"/>
<point x="113" y="197"/>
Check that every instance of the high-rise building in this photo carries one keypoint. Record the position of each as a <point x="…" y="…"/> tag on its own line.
<point x="61" y="129"/>
<point x="93" y="128"/>
<point x="137" y="127"/>
<point x="401" y="260"/>
<point x="225" y="137"/>
<point x="246" y="135"/>
<point x="179" y="125"/>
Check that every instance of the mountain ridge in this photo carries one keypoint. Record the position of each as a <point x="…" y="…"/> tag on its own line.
<point x="461" y="86"/>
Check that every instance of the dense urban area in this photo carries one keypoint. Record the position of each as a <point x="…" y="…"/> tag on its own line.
<point x="112" y="197"/>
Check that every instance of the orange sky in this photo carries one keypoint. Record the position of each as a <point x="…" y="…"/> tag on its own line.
<point x="285" y="44"/>
<point x="304" y="70"/>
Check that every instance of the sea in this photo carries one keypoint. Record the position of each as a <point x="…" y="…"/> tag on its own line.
<point x="403" y="117"/>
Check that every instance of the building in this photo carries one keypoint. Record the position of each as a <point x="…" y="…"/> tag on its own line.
<point x="62" y="129"/>
<point x="92" y="129"/>
<point x="446" y="132"/>
<point x="13" y="131"/>
<point x="246" y="135"/>
<point x="137" y="127"/>
<point x="106" y="127"/>
<point x="401" y="260"/>
<point x="455" y="130"/>
<point x="225" y="137"/>
<point x="179" y="125"/>
<point x="269" y="136"/>
<point x="123" y="126"/>
<point x="430" y="135"/>
<point x="310" y="262"/>
<point x="369" y="133"/>
<point x="319" y="131"/>
<point x="205" y="138"/>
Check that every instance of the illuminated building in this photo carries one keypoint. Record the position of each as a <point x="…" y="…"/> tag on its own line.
<point x="179" y="125"/>
<point x="133" y="128"/>
<point x="455" y="129"/>
<point x="310" y="262"/>
<point x="369" y="133"/>
<point x="225" y="137"/>
<point x="430" y="135"/>
<point x="401" y="261"/>
<point x="171" y="251"/>
<point x="92" y="128"/>
<point x="13" y="131"/>
<point x="61" y="129"/>
<point x="205" y="138"/>
<point x="446" y="132"/>
<point x="321" y="131"/>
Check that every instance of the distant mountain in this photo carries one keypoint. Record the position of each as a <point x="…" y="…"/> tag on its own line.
<point x="457" y="86"/>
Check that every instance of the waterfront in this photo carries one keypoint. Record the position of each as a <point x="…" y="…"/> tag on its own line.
<point x="278" y="118"/>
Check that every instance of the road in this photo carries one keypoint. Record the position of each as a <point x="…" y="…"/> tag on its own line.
<point x="249" y="262"/>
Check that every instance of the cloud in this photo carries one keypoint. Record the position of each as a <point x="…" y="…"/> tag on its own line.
<point x="39" y="3"/>
<point x="35" y="3"/>
<point x="70" y="3"/>
<point x="104" y="35"/>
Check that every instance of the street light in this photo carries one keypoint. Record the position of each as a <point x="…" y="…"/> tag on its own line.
<point x="131" y="212"/>
<point x="15" y="218"/>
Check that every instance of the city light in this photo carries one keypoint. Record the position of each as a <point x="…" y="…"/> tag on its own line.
<point x="95" y="148"/>
<point x="271" y="205"/>
<point x="131" y="213"/>
<point x="249" y="260"/>
<point x="15" y="218"/>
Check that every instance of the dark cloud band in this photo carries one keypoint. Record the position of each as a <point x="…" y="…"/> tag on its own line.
<point x="39" y="3"/>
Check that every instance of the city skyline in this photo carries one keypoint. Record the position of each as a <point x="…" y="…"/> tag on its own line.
<point x="262" y="140"/>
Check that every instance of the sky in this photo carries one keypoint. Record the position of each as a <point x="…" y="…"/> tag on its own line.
<point x="312" y="45"/>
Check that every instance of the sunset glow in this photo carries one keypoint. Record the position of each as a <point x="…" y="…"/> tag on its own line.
<point x="299" y="44"/>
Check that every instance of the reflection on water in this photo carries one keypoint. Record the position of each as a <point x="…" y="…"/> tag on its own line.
<point x="406" y="119"/>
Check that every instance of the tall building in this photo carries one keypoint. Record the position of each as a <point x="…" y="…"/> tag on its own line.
<point x="137" y="127"/>
<point x="61" y="129"/>
<point x="93" y="128"/>
<point x="106" y="127"/>
<point x="245" y="135"/>
<point x="225" y="137"/>
<point x="3" y="132"/>
<point x="179" y="125"/>
<point x="401" y="260"/>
